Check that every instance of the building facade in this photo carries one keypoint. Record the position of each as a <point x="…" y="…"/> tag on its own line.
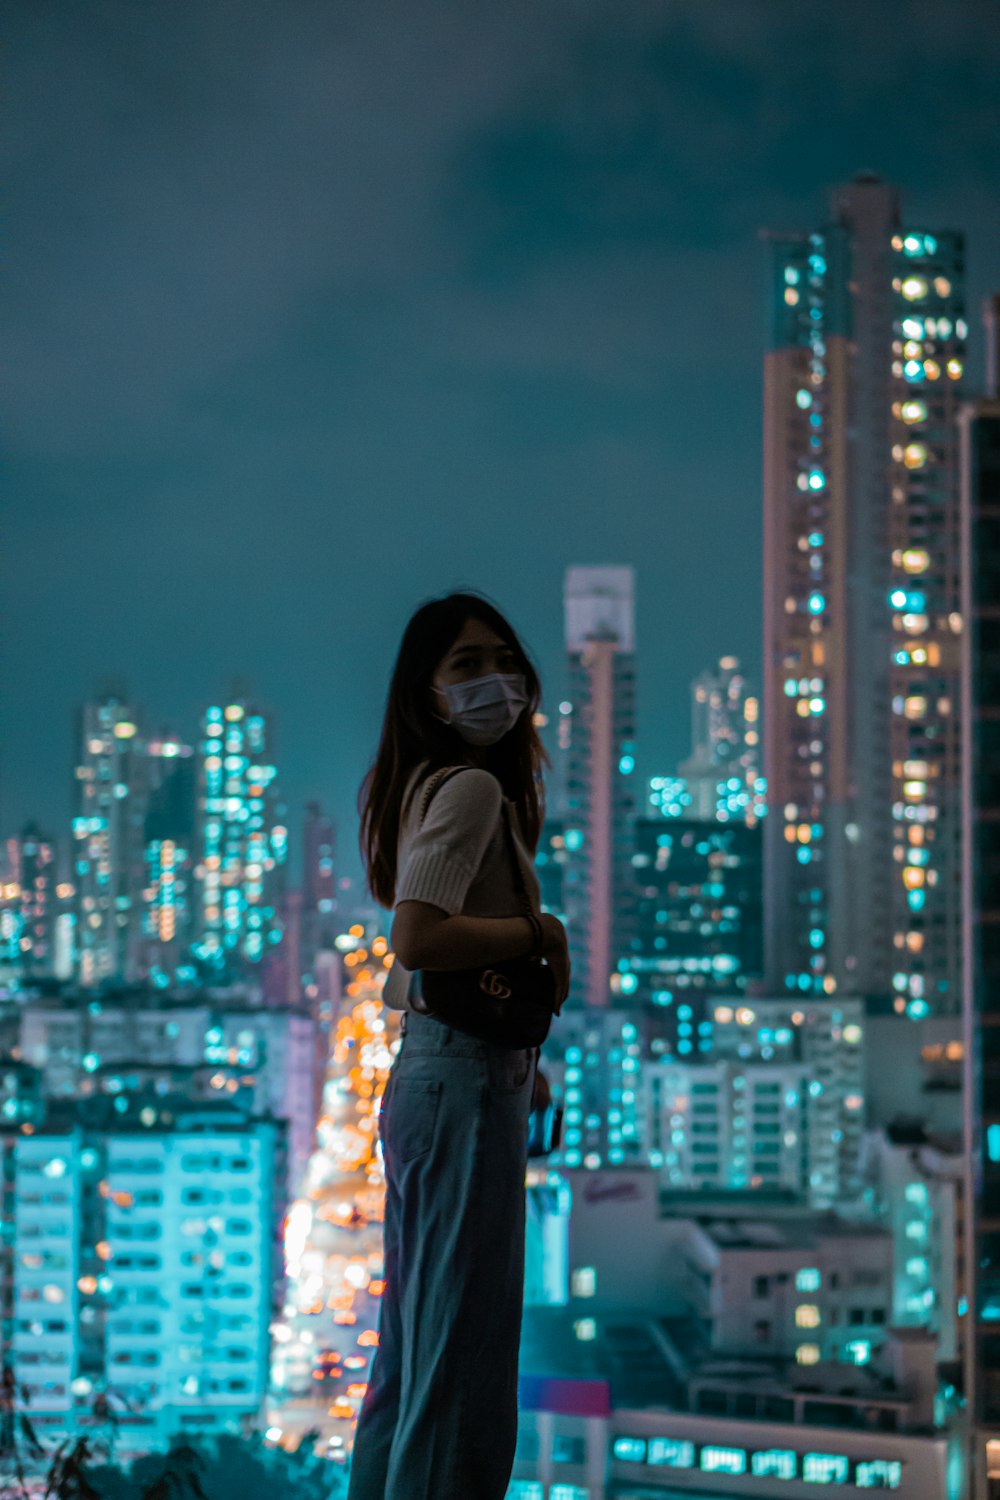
<point x="861" y="606"/>
<point x="981" y="934"/>
<point x="111" y="793"/>
<point x="242" y="840"/>
<point x="724" y="772"/>
<point x="146" y="1256"/>
<point x="598" y="730"/>
<point x="697" y="922"/>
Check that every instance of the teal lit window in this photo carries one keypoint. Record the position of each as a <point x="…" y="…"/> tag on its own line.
<point x="817" y="479"/>
<point x="816" y="604"/>
<point x="627" y="765"/>
<point x="574" y="838"/>
<point x="825" y="1468"/>
<point x="775" y="1463"/>
<point x="879" y="1474"/>
<point x="671" y="1453"/>
<point x="629" y="1449"/>
<point x="715" y="1460"/>
<point x="993" y="1142"/>
<point x="807" y="1279"/>
<point x="860" y="1351"/>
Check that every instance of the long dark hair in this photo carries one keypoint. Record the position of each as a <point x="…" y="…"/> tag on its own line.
<point x="411" y="734"/>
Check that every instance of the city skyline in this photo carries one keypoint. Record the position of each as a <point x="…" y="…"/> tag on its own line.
<point x="662" y="326"/>
<point x="204" y="444"/>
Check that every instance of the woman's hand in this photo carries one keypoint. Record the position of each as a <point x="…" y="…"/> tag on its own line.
<point x="555" y="951"/>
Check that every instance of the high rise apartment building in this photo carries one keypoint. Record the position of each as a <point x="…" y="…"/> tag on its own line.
<point x="723" y="773"/>
<point x="169" y="897"/>
<point x="242" y="840"/>
<point x="861" y="606"/>
<point x="143" y="1253"/>
<point x="111" y="790"/>
<point x="980" y="709"/>
<point x="38" y="881"/>
<point x="697" y="922"/>
<point x="598" y="732"/>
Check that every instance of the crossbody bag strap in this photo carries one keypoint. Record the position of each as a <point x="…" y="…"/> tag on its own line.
<point x="433" y="784"/>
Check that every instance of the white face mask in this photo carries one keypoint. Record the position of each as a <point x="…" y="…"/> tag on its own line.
<point x="483" y="710"/>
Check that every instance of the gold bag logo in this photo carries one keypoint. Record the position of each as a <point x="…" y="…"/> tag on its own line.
<point x="495" y="984"/>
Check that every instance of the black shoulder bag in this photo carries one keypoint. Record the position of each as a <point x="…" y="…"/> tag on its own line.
<point x="510" y="1002"/>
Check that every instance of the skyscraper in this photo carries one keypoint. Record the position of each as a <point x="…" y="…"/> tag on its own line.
<point x="169" y="839"/>
<point x="980" y="713"/>
<point x="861" y="611"/>
<point x="698" y="929"/>
<point x="37" y="875"/>
<point x="242" y="842"/>
<point x="599" y="796"/>
<point x="108" y="876"/>
<point x="723" y="772"/>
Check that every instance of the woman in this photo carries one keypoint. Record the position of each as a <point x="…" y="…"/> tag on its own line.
<point x="439" y="1419"/>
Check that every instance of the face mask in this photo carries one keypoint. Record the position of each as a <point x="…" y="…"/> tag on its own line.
<point x="483" y="710"/>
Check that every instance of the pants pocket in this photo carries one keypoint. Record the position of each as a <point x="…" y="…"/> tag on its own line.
<point x="411" y="1114"/>
<point x="509" y="1074"/>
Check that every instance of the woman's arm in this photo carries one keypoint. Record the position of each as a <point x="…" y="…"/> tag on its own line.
<point x="426" y="937"/>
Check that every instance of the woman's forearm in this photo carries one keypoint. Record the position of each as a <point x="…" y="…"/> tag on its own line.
<point x="461" y="942"/>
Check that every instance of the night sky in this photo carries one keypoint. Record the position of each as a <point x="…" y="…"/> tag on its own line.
<point x="316" y="309"/>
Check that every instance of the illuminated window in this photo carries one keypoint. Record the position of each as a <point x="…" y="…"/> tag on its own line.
<point x="584" y="1282"/>
<point x="807" y="1315"/>
<point x="774" y="1463"/>
<point x="716" y="1460"/>
<point x="825" y="1468"/>
<point x="807" y="1280"/>
<point x="915" y="455"/>
<point x="629" y="1449"/>
<point x="914" y="287"/>
<point x="807" y="1354"/>
<point x="879" y="1474"/>
<point x="671" y="1453"/>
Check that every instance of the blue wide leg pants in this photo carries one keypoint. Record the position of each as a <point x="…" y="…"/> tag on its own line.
<point x="439" y="1418"/>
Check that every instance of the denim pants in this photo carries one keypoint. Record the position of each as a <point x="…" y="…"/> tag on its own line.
<point x="439" y="1418"/>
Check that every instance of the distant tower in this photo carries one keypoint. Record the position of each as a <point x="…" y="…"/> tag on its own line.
<point x="319" y="888"/>
<point x="861" y="613"/>
<point x="169" y="897"/>
<point x="600" y="797"/>
<point x="110" y="793"/>
<point x="723" y="772"/>
<point x="37" y="865"/>
<point x="242" y="840"/>
<point x="980" y="891"/>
